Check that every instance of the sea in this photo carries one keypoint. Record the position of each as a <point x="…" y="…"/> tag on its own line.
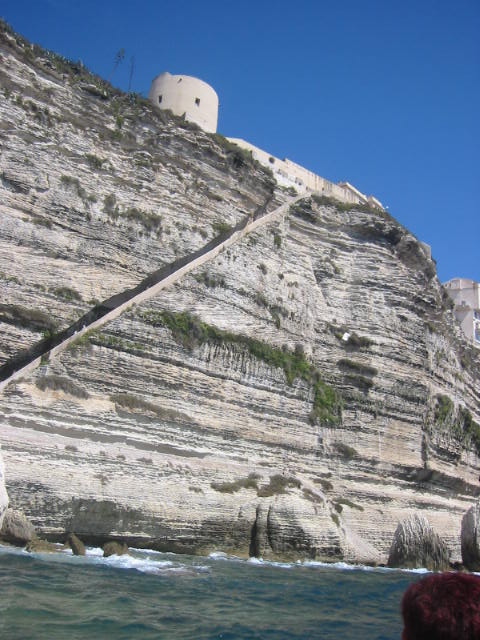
<point x="149" y="595"/>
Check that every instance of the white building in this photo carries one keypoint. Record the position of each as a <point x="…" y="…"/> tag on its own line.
<point x="465" y="294"/>
<point x="186" y="96"/>
<point x="197" y="102"/>
<point x="290" y="174"/>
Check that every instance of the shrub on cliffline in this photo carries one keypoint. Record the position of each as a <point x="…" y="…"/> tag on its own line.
<point x="190" y="331"/>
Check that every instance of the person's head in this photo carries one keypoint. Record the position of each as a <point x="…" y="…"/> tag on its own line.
<point x="444" y="606"/>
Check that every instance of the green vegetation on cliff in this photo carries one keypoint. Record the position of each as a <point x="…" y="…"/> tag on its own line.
<point x="459" y="423"/>
<point x="277" y="485"/>
<point x="190" y="331"/>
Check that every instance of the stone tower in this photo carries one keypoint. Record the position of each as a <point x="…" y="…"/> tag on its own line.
<point x="188" y="96"/>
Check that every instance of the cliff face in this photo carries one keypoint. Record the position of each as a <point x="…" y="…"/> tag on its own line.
<point x="3" y="491"/>
<point x="296" y="396"/>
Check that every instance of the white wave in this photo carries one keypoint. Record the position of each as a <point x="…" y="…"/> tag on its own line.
<point x="221" y="555"/>
<point x="218" y="555"/>
<point x="342" y="566"/>
<point x="345" y="566"/>
<point x="339" y="566"/>
<point x="7" y="549"/>
<point x="147" y="562"/>
<point x="144" y="565"/>
<point x="151" y="564"/>
<point x="152" y="552"/>
<point x="271" y="563"/>
<point x="420" y="570"/>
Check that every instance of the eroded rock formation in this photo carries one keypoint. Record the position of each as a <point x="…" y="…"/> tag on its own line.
<point x="16" y="528"/>
<point x="75" y="544"/>
<point x="37" y="545"/>
<point x="297" y="396"/>
<point x="114" y="548"/>
<point x="471" y="538"/>
<point x="415" y="544"/>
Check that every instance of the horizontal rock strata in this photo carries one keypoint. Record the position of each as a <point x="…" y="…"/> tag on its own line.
<point x="297" y="396"/>
<point x="3" y="491"/>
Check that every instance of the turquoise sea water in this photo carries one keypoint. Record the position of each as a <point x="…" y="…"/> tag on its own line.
<point x="152" y="595"/>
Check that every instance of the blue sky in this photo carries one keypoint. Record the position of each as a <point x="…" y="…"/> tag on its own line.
<point x="382" y="93"/>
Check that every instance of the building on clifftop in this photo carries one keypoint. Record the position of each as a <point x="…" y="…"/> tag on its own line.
<point x="290" y="174"/>
<point x="197" y="101"/>
<point x="465" y="294"/>
<point x="186" y="96"/>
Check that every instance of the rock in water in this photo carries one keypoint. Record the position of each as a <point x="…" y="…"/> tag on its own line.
<point x="415" y="544"/>
<point x="3" y="491"/>
<point x="259" y="536"/>
<point x="75" y="544"/>
<point x="470" y="538"/>
<point x="41" y="546"/>
<point x="16" y="528"/>
<point x="114" y="549"/>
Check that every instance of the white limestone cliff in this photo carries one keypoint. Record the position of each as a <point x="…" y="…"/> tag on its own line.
<point x="470" y="538"/>
<point x="179" y="425"/>
<point x="3" y="491"/>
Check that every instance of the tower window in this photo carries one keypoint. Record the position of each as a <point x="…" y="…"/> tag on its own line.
<point x="197" y="101"/>
<point x="160" y="99"/>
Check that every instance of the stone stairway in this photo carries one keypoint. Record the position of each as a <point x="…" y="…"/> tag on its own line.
<point x="116" y="305"/>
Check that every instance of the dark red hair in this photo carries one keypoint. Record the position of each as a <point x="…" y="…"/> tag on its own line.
<point x="444" y="606"/>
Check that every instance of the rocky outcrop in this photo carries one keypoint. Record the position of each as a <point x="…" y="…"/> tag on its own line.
<point x="114" y="548"/>
<point x="3" y="491"/>
<point x="75" y="544"/>
<point x="471" y="538"/>
<point x="415" y="545"/>
<point x="16" y="528"/>
<point x="37" y="545"/>
<point x="296" y="396"/>
<point x="288" y="527"/>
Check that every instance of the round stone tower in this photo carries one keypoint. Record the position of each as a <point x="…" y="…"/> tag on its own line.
<point x="187" y="96"/>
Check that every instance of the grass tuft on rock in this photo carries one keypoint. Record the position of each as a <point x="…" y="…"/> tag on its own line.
<point x="133" y="403"/>
<point x="444" y="409"/>
<point x="278" y="484"/>
<point x="26" y="317"/>
<point x="325" y="484"/>
<point x="68" y="294"/>
<point x="459" y="423"/>
<point x="360" y="367"/>
<point x="62" y="383"/>
<point x="345" y="451"/>
<point x="250" y="482"/>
